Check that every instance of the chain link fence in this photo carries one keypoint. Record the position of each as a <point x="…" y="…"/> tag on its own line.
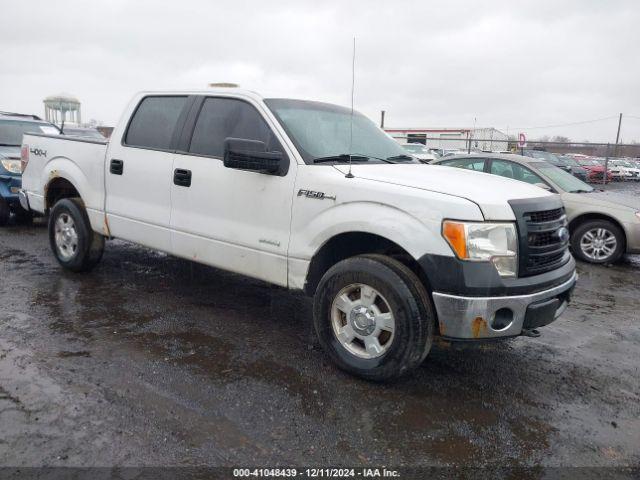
<point x="615" y="159"/>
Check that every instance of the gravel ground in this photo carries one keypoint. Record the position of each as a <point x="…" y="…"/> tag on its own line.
<point x="154" y="361"/>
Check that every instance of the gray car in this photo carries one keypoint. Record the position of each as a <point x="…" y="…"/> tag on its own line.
<point x="603" y="225"/>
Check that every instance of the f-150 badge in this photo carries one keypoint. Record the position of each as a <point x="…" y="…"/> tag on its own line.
<point x="317" y="195"/>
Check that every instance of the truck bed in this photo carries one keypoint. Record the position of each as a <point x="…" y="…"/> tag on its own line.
<point x="54" y="156"/>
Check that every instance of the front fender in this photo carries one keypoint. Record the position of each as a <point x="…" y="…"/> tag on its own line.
<point x="414" y="235"/>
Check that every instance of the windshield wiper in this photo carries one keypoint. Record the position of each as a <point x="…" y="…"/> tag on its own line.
<point x="9" y="145"/>
<point x="385" y="160"/>
<point x="400" y="157"/>
<point x="580" y="191"/>
<point x="343" y="157"/>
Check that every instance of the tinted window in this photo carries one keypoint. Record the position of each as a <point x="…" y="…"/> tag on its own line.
<point x="515" y="171"/>
<point x="222" y="118"/>
<point x="154" y="122"/>
<point x="476" y="164"/>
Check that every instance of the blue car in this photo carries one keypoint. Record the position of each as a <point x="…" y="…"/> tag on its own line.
<point x="12" y="127"/>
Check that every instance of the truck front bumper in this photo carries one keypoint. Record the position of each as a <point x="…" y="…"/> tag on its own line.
<point x="474" y="318"/>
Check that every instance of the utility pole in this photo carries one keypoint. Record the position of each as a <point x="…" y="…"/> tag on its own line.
<point x="382" y="119"/>
<point x="605" y="174"/>
<point x="615" y="153"/>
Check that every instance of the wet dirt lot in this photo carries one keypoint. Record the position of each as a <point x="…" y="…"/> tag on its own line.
<point x="152" y="360"/>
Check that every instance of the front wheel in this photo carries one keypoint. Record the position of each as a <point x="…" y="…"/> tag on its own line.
<point x="598" y="241"/>
<point x="75" y="245"/>
<point x="373" y="317"/>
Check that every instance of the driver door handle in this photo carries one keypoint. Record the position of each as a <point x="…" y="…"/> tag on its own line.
<point x="182" y="177"/>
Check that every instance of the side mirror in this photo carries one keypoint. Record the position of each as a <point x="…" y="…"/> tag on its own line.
<point x="543" y="186"/>
<point x="252" y="155"/>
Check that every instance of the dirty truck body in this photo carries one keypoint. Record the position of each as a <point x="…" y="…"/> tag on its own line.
<point x="394" y="252"/>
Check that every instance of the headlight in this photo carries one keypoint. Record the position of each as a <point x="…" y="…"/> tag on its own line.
<point x="484" y="242"/>
<point x="12" y="166"/>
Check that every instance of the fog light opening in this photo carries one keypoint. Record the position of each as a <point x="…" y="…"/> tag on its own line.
<point x="502" y="319"/>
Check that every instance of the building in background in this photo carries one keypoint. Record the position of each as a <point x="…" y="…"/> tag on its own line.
<point x="486" y="139"/>
<point x="62" y="107"/>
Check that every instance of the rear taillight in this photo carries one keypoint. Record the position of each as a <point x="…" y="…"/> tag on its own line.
<point x="24" y="157"/>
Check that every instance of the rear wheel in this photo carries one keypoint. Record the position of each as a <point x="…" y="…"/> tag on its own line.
<point x="373" y="317"/>
<point x="598" y="241"/>
<point x="75" y="245"/>
<point x="4" y="212"/>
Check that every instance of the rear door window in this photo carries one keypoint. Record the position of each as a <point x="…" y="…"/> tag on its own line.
<point x="515" y="171"/>
<point x="154" y="122"/>
<point x="222" y="118"/>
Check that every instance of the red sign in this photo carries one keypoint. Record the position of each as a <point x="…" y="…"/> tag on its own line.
<point x="522" y="140"/>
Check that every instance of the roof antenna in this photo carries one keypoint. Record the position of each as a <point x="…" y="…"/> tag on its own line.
<point x="353" y="81"/>
<point x="63" y="115"/>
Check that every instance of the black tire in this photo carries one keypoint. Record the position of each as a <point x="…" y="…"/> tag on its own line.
<point x="5" y="213"/>
<point x="589" y="226"/>
<point x="409" y="303"/>
<point x="90" y="245"/>
<point x="23" y="216"/>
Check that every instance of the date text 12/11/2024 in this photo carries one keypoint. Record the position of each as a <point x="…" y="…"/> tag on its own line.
<point x="316" y="473"/>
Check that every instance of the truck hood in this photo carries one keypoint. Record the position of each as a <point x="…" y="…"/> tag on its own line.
<point x="490" y="192"/>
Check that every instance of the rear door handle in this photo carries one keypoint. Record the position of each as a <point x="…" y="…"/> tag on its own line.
<point x="181" y="177"/>
<point x="116" y="166"/>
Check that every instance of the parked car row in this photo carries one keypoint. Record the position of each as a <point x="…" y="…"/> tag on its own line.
<point x="587" y="169"/>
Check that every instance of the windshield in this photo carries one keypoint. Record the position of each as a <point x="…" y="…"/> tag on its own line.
<point x="565" y="181"/>
<point x="11" y="131"/>
<point x="321" y="130"/>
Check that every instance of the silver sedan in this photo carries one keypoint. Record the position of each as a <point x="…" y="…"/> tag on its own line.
<point x="603" y="225"/>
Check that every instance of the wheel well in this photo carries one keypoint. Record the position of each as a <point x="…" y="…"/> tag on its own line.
<point x="58" y="189"/>
<point x="350" y="244"/>
<point x="595" y="216"/>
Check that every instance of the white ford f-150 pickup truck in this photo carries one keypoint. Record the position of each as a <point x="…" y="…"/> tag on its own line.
<point x="313" y="197"/>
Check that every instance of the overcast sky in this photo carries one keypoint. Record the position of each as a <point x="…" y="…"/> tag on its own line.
<point x="514" y="64"/>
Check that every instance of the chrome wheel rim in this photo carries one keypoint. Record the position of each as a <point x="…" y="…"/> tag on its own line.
<point x="362" y="321"/>
<point x="598" y="244"/>
<point x="66" y="236"/>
